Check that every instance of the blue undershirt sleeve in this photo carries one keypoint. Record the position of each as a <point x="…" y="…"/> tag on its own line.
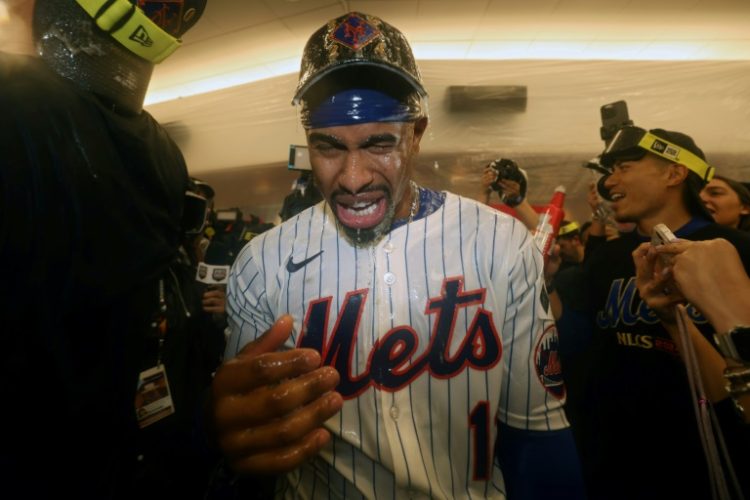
<point x="539" y="465"/>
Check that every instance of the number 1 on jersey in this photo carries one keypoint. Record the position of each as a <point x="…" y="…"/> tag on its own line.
<point x="479" y="420"/>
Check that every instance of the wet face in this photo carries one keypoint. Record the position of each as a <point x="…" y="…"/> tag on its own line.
<point x="723" y="203"/>
<point x="364" y="173"/>
<point x="638" y="188"/>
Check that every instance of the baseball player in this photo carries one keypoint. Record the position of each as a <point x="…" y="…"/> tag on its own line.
<point x="384" y="338"/>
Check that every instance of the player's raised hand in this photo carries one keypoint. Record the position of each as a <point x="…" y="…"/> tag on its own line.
<point x="269" y="407"/>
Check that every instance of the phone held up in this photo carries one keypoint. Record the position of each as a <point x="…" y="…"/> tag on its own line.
<point x="662" y="235"/>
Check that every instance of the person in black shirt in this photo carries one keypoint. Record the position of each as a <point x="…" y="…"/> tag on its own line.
<point x="91" y="200"/>
<point x="635" y="424"/>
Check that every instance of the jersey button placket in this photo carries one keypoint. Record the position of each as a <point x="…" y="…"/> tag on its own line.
<point x="389" y="278"/>
<point x="394" y="412"/>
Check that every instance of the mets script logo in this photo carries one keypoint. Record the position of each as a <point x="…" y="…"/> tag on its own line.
<point x="354" y="32"/>
<point x="547" y="362"/>
<point x="625" y="307"/>
<point x="392" y="362"/>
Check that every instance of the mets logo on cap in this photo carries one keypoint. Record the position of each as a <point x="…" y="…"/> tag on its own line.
<point x="547" y="362"/>
<point x="354" y="32"/>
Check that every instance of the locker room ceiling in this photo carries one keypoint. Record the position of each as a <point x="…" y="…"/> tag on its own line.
<point x="245" y="40"/>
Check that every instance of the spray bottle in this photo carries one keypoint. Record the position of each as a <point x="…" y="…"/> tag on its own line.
<point x="549" y="222"/>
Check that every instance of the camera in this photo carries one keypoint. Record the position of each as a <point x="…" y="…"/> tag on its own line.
<point x="614" y="117"/>
<point x="299" y="158"/>
<point x="509" y="170"/>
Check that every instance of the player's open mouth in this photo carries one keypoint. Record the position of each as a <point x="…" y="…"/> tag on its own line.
<point x="616" y="196"/>
<point x="361" y="214"/>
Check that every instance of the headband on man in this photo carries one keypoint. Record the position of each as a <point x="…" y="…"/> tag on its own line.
<point x="360" y="105"/>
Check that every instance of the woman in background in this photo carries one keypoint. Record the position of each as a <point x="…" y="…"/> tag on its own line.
<point x="728" y="201"/>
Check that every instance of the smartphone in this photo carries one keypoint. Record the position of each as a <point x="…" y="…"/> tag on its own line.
<point x="662" y="235"/>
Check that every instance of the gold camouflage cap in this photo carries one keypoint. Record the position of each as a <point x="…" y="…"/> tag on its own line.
<point x="357" y="39"/>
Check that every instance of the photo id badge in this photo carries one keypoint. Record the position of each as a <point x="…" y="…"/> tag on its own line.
<point x="153" y="400"/>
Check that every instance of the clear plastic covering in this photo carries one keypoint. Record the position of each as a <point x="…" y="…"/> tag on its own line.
<point x="238" y="139"/>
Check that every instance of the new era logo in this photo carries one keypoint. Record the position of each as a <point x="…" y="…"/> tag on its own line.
<point x="665" y="149"/>
<point x="659" y="146"/>
<point x="140" y="35"/>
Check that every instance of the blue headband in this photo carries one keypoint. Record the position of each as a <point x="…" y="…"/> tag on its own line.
<point x="353" y="106"/>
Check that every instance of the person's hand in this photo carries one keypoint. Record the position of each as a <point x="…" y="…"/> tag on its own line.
<point x="703" y="267"/>
<point x="269" y="407"/>
<point x="511" y="189"/>
<point x="654" y="281"/>
<point x="488" y="177"/>
<point x="214" y="301"/>
<point x="711" y="276"/>
<point x="592" y="197"/>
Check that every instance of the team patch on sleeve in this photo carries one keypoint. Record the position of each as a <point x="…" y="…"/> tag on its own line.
<point x="547" y="362"/>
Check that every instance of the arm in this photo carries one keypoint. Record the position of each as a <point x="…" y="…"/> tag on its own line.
<point x="721" y="293"/>
<point x="525" y="212"/>
<point x="534" y="434"/>
<point x="722" y="290"/>
<point x="661" y="290"/>
<point x="598" y="222"/>
<point x="485" y="190"/>
<point x="523" y="454"/>
<point x="550" y="271"/>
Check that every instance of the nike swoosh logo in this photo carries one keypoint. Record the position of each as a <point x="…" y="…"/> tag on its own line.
<point x="293" y="267"/>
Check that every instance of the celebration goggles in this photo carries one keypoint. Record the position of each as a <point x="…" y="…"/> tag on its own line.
<point x="132" y="28"/>
<point x="632" y="143"/>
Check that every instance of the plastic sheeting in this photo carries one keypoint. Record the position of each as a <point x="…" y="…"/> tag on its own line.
<point x="238" y="138"/>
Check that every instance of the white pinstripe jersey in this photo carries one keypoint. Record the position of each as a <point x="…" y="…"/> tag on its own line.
<point x="436" y="330"/>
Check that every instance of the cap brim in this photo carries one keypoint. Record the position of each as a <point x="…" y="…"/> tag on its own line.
<point x="632" y="154"/>
<point x="302" y="90"/>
